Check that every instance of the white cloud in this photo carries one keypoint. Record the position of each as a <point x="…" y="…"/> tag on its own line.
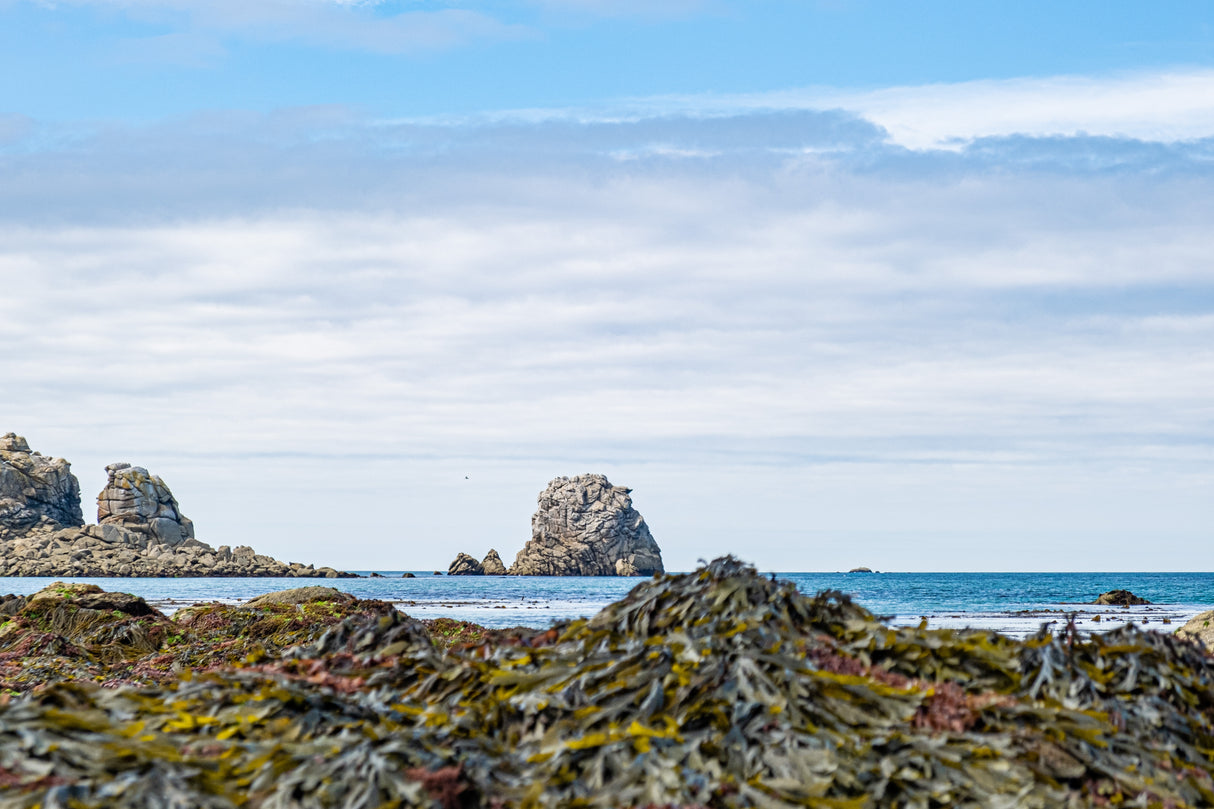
<point x="1170" y="105"/>
<point x="1164" y="106"/>
<point x="870" y="342"/>
<point x="316" y="327"/>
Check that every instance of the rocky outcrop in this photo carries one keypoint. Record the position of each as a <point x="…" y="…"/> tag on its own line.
<point x="586" y="527"/>
<point x="1120" y="598"/>
<point x="140" y="532"/>
<point x="492" y="564"/>
<point x="88" y="597"/>
<point x="1199" y="627"/>
<point x="465" y="565"/>
<point x="36" y="493"/>
<point x="109" y="550"/>
<point x="302" y="595"/>
<point x="141" y="502"/>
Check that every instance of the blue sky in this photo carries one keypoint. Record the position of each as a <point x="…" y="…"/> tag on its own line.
<point x="911" y="286"/>
<point x="147" y="59"/>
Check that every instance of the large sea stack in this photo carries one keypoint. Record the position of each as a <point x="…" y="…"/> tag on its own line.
<point x="140" y="501"/>
<point x="36" y="493"/>
<point x="586" y="527"/>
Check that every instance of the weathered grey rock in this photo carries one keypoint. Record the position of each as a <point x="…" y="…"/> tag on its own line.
<point x="465" y="565"/>
<point x="586" y="527"/>
<point x="141" y="530"/>
<point x="627" y="567"/>
<point x="36" y="493"/>
<point x="141" y="502"/>
<point x="1199" y="627"/>
<point x="492" y="564"/>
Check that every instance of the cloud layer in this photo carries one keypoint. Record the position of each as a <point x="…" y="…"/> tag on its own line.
<point x="786" y="330"/>
<point x="1153" y="106"/>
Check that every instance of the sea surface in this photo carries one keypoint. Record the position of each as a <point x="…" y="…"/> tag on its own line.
<point x="1013" y="603"/>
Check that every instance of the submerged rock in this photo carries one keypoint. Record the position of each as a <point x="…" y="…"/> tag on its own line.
<point x="586" y="527"/>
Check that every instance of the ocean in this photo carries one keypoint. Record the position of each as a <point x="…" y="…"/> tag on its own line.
<point x="1013" y="603"/>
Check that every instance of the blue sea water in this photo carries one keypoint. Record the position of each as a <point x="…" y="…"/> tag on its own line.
<point x="1014" y="603"/>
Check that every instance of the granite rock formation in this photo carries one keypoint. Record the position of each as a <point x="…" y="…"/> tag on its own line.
<point x="141" y="502"/>
<point x="465" y="565"/>
<point x="111" y="550"/>
<point x="586" y="527"/>
<point x="492" y="564"/>
<point x="140" y="531"/>
<point x="1199" y="627"/>
<point x="36" y="493"/>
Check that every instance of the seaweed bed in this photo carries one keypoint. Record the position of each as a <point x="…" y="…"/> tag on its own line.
<point x="714" y="688"/>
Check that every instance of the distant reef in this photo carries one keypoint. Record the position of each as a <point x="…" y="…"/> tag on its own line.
<point x="140" y="529"/>
<point x="584" y="526"/>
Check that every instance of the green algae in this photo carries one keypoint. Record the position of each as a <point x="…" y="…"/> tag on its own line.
<point x="717" y="688"/>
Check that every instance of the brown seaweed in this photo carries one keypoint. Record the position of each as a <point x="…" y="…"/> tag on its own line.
<point x="716" y="688"/>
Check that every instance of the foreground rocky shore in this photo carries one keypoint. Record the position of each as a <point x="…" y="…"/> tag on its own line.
<point x="717" y="688"/>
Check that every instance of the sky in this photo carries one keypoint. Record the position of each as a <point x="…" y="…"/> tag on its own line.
<point x="827" y="283"/>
